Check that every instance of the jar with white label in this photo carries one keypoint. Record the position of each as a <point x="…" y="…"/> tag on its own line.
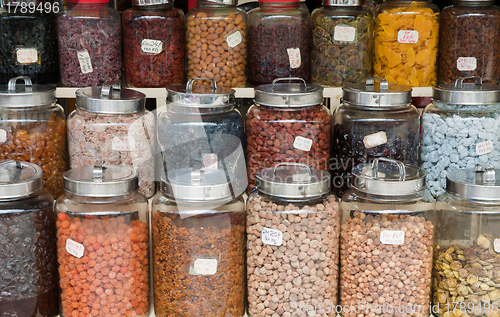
<point x="287" y="123"/>
<point x="375" y="119"/>
<point x="467" y="247"/>
<point x="198" y="223"/>
<point x="28" y="257"/>
<point x="103" y="243"/>
<point x="112" y="125"/>
<point x="460" y="129"/>
<point x="386" y="241"/>
<point x="293" y="227"/>
<point x="342" y="43"/>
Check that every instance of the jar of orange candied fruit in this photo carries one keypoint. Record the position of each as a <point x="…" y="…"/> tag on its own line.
<point x="406" y="41"/>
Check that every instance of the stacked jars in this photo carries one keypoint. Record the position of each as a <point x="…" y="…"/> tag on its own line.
<point x="374" y="120"/>
<point x="28" y="257"/>
<point x="33" y="129"/>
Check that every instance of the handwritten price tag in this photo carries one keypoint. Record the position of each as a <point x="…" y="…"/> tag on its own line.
<point x="234" y="39"/>
<point x="484" y="147"/>
<point x="375" y="139"/>
<point x="496" y="245"/>
<point x="151" y="46"/>
<point x="466" y="63"/>
<point x="74" y="248"/>
<point x="395" y="237"/>
<point x="125" y="144"/>
<point x="27" y="55"/>
<point x="85" y="63"/>
<point x="210" y="161"/>
<point x="272" y="236"/>
<point x="294" y="57"/>
<point x="205" y="266"/>
<point x="302" y="143"/>
<point x="408" y="36"/>
<point x="3" y="136"/>
<point x="344" y="33"/>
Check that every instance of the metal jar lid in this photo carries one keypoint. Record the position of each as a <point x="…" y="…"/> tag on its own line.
<point x="481" y="183"/>
<point x="225" y="2"/>
<point x="201" y="96"/>
<point x="391" y="179"/>
<point x="293" y="180"/>
<point x="27" y="94"/>
<point x="381" y="94"/>
<point x="111" y="99"/>
<point x="19" y="179"/>
<point x="342" y="3"/>
<point x="101" y="181"/>
<point x="289" y="95"/>
<point x="462" y="93"/>
<point x="142" y="3"/>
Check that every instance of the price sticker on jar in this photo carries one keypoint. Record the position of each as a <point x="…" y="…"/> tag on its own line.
<point x="234" y="39"/>
<point x="496" y="245"/>
<point x="85" y="62"/>
<point x="294" y="57"/>
<point x="393" y="237"/>
<point x="483" y="148"/>
<point x="272" y="236"/>
<point x="466" y="64"/>
<point x="344" y="33"/>
<point x="205" y="267"/>
<point x="302" y="143"/>
<point x="408" y="36"/>
<point x="26" y="55"/>
<point x="375" y="139"/>
<point x="210" y="161"/>
<point x="124" y="144"/>
<point x="3" y="136"/>
<point x="74" y="248"/>
<point x="151" y="46"/>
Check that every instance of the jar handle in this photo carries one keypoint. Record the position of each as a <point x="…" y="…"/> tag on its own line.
<point x="11" y="86"/>
<point x="370" y="83"/>
<point x="478" y="81"/>
<point x="189" y="85"/>
<point x="401" y="166"/>
<point x="485" y="174"/>
<point x="98" y="171"/>
<point x="293" y="164"/>
<point x="107" y="90"/>
<point x="289" y="79"/>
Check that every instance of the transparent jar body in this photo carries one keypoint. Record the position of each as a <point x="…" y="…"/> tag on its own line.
<point x="468" y="43"/>
<point x="386" y="254"/>
<point x="158" y="61"/>
<point x="292" y="255"/>
<point x="115" y="139"/>
<point x="28" y="259"/>
<point x="29" y="46"/>
<point x="361" y="134"/>
<point x="456" y="137"/>
<point x="112" y="275"/>
<point x="89" y="45"/>
<point x="406" y="42"/>
<point x="36" y="134"/>
<point x="342" y="45"/>
<point x="279" y="42"/>
<point x="466" y="257"/>
<point x="199" y="257"/>
<point x="216" y="38"/>
<point x="276" y="134"/>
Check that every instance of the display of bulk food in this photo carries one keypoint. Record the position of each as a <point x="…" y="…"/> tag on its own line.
<point x="386" y="241"/>
<point x="293" y="224"/>
<point x="28" y="257"/>
<point x="467" y="248"/>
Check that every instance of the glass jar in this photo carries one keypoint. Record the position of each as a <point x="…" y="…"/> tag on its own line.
<point x="460" y="129"/>
<point x="342" y="43"/>
<point x="89" y="44"/>
<point x="293" y="225"/>
<point x="468" y="41"/>
<point x="287" y="123"/>
<point x="102" y="240"/>
<point x="201" y="128"/>
<point x="374" y="120"/>
<point x="198" y="246"/>
<point x="28" y="257"/>
<point x="112" y="125"/>
<point x="33" y="129"/>
<point x="279" y="41"/>
<point x="386" y="242"/>
<point x="29" y="42"/>
<point x="406" y="42"/>
<point x="154" y="44"/>
<point x="216" y="43"/>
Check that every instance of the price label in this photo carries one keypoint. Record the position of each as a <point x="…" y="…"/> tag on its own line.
<point x="205" y="266"/>
<point x="3" y="136"/>
<point x="234" y="39"/>
<point x="302" y="143"/>
<point x="466" y="63"/>
<point x="294" y="57"/>
<point x="496" y="245"/>
<point x="344" y="33"/>
<point x="74" y="248"/>
<point x="375" y="139"/>
<point x="151" y="46"/>
<point x="125" y="144"/>
<point x="85" y="63"/>
<point x="26" y="55"/>
<point x="408" y="36"/>
<point x="484" y="147"/>
<point x="272" y="236"/>
<point x="394" y="237"/>
<point x="210" y="161"/>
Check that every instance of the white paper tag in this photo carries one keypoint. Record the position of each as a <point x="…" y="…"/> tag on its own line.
<point x="151" y="46"/>
<point x="85" y="63"/>
<point x="484" y="147"/>
<point x="234" y="39"/>
<point x="302" y="143"/>
<point x="74" y="248"/>
<point x="408" y="36"/>
<point x="396" y="237"/>
<point x="125" y="144"/>
<point x="210" y="161"/>
<point x="272" y="236"/>
<point x="344" y="33"/>
<point x="205" y="266"/>
<point x="27" y="55"/>
<point x="375" y="139"/>
<point x="496" y="245"/>
<point x="3" y="135"/>
<point x="294" y="57"/>
<point x="466" y="63"/>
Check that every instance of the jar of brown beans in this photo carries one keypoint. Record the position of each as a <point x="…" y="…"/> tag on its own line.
<point x="33" y="129"/>
<point x="216" y="43"/>
<point x="386" y="241"/>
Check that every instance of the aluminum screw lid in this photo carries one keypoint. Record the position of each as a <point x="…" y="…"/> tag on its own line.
<point x="372" y="94"/>
<point x="463" y="93"/>
<point x="289" y="95"/>
<point x="200" y="96"/>
<point x="19" y="179"/>
<point x="26" y="95"/>
<point x="481" y="183"/>
<point x="110" y="99"/>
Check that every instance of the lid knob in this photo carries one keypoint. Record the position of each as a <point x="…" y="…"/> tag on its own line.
<point x="289" y="80"/>
<point x="28" y="86"/>
<point x="478" y="82"/>
<point x="189" y="85"/>
<point x="485" y="174"/>
<point x="107" y="90"/>
<point x="370" y="84"/>
<point x="375" y="167"/>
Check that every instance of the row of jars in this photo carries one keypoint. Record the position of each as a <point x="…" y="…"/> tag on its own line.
<point x="341" y="42"/>
<point x="297" y="251"/>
